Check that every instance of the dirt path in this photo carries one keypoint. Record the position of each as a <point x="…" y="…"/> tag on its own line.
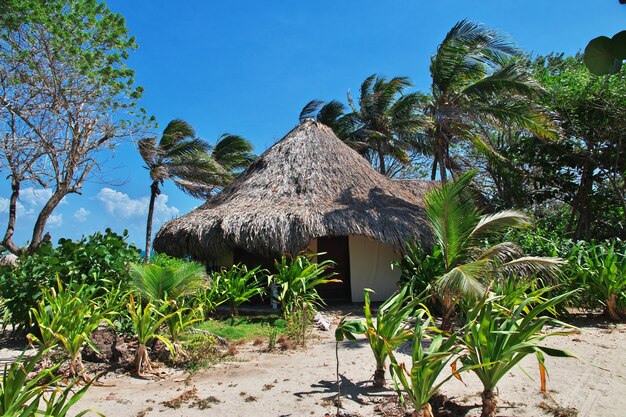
<point x="301" y="383"/>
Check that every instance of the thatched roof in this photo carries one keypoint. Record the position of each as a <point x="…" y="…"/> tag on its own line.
<point x="308" y="185"/>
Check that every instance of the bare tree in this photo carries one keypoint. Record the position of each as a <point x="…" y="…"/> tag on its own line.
<point x="66" y="96"/>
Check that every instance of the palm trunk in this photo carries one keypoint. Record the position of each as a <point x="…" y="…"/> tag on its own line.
<point x="379" y="377"/>
<point x="447" y="314"/>
<point x="154" y="192"/>
<point x="381" y="161"/>
<point x="7" y="242"/>
<point x="490" y="403"/>
<point x="142" y="360"/>
<point x="612" y="309"/>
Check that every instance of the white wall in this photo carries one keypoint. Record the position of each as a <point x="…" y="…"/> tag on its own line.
<point x="370" y="267"/>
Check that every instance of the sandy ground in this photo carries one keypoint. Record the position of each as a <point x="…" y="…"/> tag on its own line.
<point x="302" y="383"/>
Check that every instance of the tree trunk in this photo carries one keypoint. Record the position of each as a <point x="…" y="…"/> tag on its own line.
<point x="43" y="217"/>
<point x="433" y="171"/>
<point x="154" y="192"/>
<point x="447" y="313"/>
<point x="490" y="403"/>
<point x="7" y="241"/>
<point x="379" y="377"/>
<point x="441" y="155"/>
<point x="580" y="205"/>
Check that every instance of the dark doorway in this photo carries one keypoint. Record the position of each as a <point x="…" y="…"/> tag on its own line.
<point x="337" y="249"/>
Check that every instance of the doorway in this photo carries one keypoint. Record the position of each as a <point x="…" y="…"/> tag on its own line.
<point x="337" y="249"/>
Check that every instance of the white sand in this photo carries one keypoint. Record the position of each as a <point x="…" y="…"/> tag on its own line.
<point x="302" y="383"/>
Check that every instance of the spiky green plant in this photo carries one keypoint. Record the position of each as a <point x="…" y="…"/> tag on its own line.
<point x="73" y="330"/>
<point x="496" y="339"/>
<point x="297" y="279"/>
<point x="389" y="330"/>
<point x="22" y="390"/>
<point x="147" y="320"/>
<point x="422" y="381"/>
<point x="238" y="285"/>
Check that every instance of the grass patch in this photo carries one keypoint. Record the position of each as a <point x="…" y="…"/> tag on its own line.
<point x="245" y="327"/>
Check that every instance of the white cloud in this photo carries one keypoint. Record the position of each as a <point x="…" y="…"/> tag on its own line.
<point x="55" y="220"/>
<point x="4" y="205"/>
<point x="118" y="204"/>
<point x="81" y="214"/>
<point x="35" y="197"/>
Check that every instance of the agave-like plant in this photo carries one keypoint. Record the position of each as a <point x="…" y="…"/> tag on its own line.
<point x="147" y="320"/>
<point x="73" y="330"/>
<point x="22" y="390"/>
<point x="389" y="330"/>
<point x="461" y="231"/>
<point x="420" y="383"/>
<point x="297" y="279"/>
<point x="497" y="338"/>
<point x="238" y="285"/>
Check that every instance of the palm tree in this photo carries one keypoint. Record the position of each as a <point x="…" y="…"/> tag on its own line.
<point x="195" y="167"/>
<point x="479" y="82"/>
<point x="384" y="128"/>
<point x="460" y="231"/>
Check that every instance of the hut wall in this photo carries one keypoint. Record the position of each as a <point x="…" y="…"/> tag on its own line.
<point x="370" y="267"/>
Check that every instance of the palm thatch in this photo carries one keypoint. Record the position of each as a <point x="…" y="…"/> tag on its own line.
<point x="308" y="185"/>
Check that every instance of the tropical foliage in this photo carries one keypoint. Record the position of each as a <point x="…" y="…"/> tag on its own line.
<point x="191" y="163"/>
<point x="297" y="279"/>
<point x="470" y="269"/>
<point x="389" y="330"/>
<point x="497" y="338"/>
<point x="101" y="260"/>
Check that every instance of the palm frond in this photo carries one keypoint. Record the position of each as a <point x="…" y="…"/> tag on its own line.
<point x="548" y="267"/>
<point x="466" y="279"/>
<point x="502" y="252"/>
<point x="453" y="215"/>
<point x="175" y="131"/>
<point x="233" y="152"/>
<point x="310" y="110"/>
<point x="148" y="150"/>
<point x="500" y="222"/>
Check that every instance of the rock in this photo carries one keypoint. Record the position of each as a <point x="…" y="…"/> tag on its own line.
<point x="111" y="347"/>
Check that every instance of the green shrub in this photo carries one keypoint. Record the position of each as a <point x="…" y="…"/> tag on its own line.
<point x="297" y="278"/>
<point x="238" y="285"/>
<point x="164" y="260"/>
<point x="101" y="260"/>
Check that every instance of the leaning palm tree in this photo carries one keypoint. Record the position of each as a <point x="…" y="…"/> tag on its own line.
<point x="479" y="82"/>
<point x="460" y="232"/>
<point x="384" y="127"/>
<point x="191" y="163"/>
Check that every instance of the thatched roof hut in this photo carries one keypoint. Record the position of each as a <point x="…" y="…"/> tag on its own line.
<point x="309" y="185"/>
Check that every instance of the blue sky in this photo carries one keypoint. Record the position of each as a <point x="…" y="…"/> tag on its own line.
<point x="248" y="67"/>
